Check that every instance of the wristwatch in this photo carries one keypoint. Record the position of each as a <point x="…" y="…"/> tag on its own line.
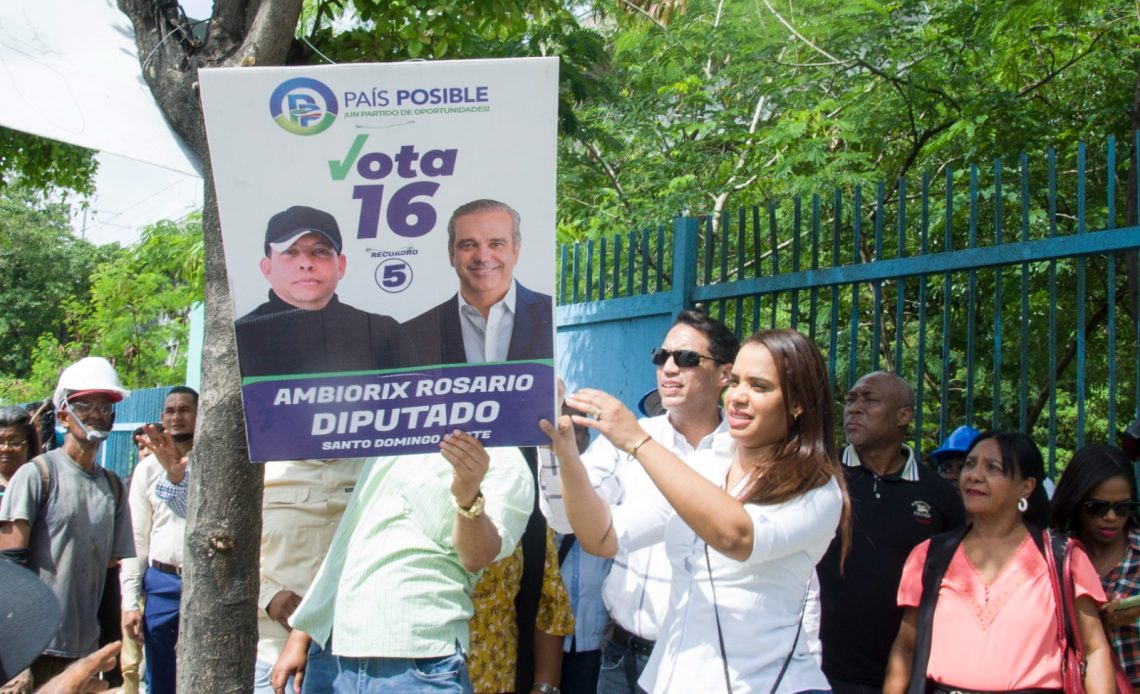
<point x="545" y="688"/>
<point x="476" y="509"/>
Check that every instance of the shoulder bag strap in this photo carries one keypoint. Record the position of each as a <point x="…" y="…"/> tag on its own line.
<point x="1059" y="544"/>
<point x="938" y="556"/>
<point x="1055" y="549"/>
<point x="719" y="632"/>
<point x="795" y="641"/>
<point x="564" y="548"/>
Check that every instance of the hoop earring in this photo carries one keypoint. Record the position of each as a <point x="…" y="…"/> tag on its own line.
<point x="1023" y="504"/>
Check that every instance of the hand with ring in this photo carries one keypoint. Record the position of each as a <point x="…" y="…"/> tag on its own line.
<point x="608" y="416"/>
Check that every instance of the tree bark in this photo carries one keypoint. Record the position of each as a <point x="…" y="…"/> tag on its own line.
<point x="218" y="638"/>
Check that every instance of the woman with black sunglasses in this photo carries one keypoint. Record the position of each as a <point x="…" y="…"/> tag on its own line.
<point x="1096" y="503"/>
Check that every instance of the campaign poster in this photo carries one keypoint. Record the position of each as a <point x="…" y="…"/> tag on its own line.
<point x="389" y="237"/>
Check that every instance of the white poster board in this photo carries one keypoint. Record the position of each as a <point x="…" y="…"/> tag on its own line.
<point x="364" y="329"/>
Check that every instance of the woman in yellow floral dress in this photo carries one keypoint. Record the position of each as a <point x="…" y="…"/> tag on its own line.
<point x="494" y="627"/>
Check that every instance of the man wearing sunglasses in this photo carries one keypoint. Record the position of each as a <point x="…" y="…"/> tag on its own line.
<point x="65" y="518"/>
<point x="693" y="365"/>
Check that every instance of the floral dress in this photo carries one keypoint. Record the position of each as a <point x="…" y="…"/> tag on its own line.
<point x="494" y="627"/>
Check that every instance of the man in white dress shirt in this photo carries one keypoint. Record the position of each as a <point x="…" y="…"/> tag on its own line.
<point x="693" y="366"/>
<point x="156" y="571"/>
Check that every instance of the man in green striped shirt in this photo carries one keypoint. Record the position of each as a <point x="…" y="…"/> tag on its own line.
<point x="389" y="607"/>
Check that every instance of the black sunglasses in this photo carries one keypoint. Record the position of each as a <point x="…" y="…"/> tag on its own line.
<point x="681" y="357"/>
<point x="1099" y="509"/>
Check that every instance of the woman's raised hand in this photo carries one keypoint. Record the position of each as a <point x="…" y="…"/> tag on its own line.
<point x="607" y="415"/>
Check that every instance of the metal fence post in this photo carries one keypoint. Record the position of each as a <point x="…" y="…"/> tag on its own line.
<point x="684" y="277"/>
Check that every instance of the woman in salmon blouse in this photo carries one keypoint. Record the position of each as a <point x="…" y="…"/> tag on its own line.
<point x="995" y="622"/>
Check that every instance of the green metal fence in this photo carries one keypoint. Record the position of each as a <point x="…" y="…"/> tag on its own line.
<point x="1007" y="295"/>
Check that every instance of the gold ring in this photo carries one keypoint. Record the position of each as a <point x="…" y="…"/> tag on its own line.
<point x="597" y="413"/>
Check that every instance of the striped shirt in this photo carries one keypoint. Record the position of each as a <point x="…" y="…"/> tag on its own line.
<point x="392" y="584"/>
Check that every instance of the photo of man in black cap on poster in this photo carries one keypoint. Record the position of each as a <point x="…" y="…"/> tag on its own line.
<point x="304" y="328"/>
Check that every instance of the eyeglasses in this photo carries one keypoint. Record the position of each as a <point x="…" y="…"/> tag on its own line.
<point x="103" y="408"/>
<point x="1099" y="509"/>
<point x="13" y="444"/>
<point x="681" y="357"/>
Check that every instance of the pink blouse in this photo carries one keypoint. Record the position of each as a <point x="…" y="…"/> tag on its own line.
<point x="1002" y="637"/>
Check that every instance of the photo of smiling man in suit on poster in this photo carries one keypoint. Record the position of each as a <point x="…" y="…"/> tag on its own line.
<point x="492" y="317"/>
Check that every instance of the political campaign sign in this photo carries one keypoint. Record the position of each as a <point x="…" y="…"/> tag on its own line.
<point x="389" y="238"/>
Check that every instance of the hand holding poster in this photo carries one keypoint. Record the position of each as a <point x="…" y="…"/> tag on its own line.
<point x="374" y="218"/>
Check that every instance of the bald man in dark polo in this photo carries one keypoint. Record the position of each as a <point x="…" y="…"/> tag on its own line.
<point x="304" y="328"/>
<point x="896" y="503"/>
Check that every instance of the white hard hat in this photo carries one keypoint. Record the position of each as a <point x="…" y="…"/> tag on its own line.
<point x="89" y="375"/>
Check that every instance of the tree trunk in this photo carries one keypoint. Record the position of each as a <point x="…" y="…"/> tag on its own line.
<point x="218" y="634"/>
<point x="218" y="639"/>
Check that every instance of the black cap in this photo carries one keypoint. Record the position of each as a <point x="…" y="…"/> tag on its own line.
<point x="298" y="220"/>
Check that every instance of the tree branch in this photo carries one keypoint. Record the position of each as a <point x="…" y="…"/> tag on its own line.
<point x="1063" y="363"/>
<point x="638" y="10"/>
<point x="801" y="37"/>
<point x="1069" y="63"/>
<point x="609" y="172"/>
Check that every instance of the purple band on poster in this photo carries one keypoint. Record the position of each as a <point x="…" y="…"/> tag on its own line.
<point x="384" y="414"/>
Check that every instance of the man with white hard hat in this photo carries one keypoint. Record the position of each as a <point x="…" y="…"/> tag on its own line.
<point x="65" y="518"/>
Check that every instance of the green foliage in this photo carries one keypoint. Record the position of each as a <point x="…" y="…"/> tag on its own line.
<point x="733" y="104"/>
<point x="453" y="29"/>
<point x="139" y="312"/>
<point x="39" y="164"/>
<point x="134" y="309"/>
<point x="41" y="266"/>
<point x="429" y="29"/>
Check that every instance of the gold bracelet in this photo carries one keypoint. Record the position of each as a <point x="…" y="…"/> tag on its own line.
<point x="633" y="451"/>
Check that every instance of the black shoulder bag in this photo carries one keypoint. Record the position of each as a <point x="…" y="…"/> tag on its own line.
<point x="938" y="556"/>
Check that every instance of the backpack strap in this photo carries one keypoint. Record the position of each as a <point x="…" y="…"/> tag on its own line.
<point x="938" y="556"/>
<point x="116" y="486"/>
<point x="113" y="481"/>
<point x="45" y="479"/>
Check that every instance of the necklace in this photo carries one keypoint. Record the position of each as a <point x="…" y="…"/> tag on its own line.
<point x="731" y="480"/>
<point x="1105" y="562"/>
<point x="737" y="471"/>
